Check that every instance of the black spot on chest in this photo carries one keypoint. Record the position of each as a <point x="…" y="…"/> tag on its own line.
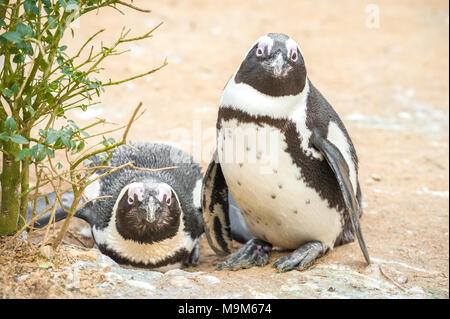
<point x="317" y="174"/>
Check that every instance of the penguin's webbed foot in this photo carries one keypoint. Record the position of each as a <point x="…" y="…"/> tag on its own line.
<point x="301" y="258"/>
<point x="192" y="259"/>
<point x="254" y="253"/>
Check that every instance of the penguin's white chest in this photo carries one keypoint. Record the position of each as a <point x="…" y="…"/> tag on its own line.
<point x="277" y="204"/>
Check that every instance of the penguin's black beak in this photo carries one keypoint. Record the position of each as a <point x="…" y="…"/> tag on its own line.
<point x="153" y="209"/>
<point x="278" y="65"/>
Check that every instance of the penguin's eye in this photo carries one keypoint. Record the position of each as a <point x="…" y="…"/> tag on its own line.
<point x="294" y="56"/>
<point x="169" y="201"/>
<point x="259" y="52"/>
<point x="130" y="200"/>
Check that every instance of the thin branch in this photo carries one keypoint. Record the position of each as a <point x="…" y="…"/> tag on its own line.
<point x="136" y="76"/>
<point x="133" y="7"/>
<point x="390" y="279"/>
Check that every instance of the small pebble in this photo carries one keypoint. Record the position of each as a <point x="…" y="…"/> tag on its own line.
<point x="47" y="252"/>
<point x="375" y="177"/>
<point x="416" y="290"/>
<point x="402" y="280"/>
<point x="140" y="284"/>
<point x="209" y="279"/>
<point x="23" y="277"/>
<point x="181" y="282"/>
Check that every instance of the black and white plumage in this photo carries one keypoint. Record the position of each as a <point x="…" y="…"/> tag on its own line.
<point x="286" y="158"/>
<point x="150" y="219"/>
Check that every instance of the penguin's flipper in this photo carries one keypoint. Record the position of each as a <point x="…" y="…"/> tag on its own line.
<point x="341" y="171"/>
<point x="47" y="201"/>
<point x="239" y="229"/>
<point x="215" y="208"/>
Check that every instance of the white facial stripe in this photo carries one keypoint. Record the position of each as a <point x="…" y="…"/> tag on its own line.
<point x="291" y="45"/>
<point x="264" y="39"/>
<point x="175" y="193"/>
<point x="337" y="137"/>
<point x="135" y="191"/>
<point x="163" y="190"/>
<point x="137" y="252"/>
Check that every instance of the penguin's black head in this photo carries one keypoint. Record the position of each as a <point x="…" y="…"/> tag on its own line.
<point x="274" y="66"/>
<point x="148" y="212"/>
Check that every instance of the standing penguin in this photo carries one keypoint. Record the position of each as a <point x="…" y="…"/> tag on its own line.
<point x="148" y="219"/>
<point x="285" y="156"/>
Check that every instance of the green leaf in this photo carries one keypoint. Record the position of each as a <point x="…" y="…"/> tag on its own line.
<point x="31" y="110"/>
<point x="15" y="88"/>
<point x="2" y="23"/>
<point x="47" y="6"/>
<point x="19" y="58"/>
<point x="69" y="5"/>
<point x="63" y="48"/>
<point x="4" y="136"/>
<point x="52" y="22"/>
<point x="42" y="153"/>
<point x="63" y="4"/>
<point x="22" y="154"/>
<point x="59" y="165"/>
<point x="51" y="138"/>
<point x="30" y="7"/>
<point x="12" y="36"/>
<point x="60" y="60"/>
<point x="45" y="265"/>
<point x="24" y="30"/>
<point x="7" y="92"/>
<point x="33" y="151"/>
<point x="51" y="153"/>
<point x="27" y="48"/>
<point x="10" y="124"/>
<point x="79" y="148"/>
<point x="75" y="126"/>
<point x="19" y="139"/>
<point x="66" y="141"/>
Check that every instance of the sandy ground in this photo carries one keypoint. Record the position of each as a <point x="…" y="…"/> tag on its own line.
<point x="388" y="82"/>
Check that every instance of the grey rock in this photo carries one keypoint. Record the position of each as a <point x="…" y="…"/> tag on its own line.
<point x="106" y="261"/>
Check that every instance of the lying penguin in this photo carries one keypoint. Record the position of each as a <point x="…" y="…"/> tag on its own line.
<point x="150" y="219"/>
<point x="285" y="156"/>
